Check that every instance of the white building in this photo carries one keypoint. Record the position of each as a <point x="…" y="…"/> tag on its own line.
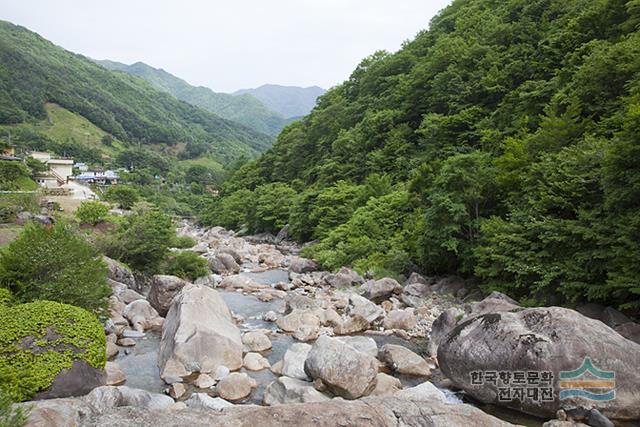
<point x="59" y="170"/>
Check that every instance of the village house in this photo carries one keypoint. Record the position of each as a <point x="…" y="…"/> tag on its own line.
<point x="108" y="177"/>
<point x="60" y="169"/>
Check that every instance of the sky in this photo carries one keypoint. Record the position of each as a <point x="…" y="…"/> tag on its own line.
<point x="234" y="44"/>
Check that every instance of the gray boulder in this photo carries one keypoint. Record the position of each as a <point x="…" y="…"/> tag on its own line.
<point x="360" y="306"/>
<point x="198" y="335"/>
<point x="549" y="339"/>
<point x="302" y="265"/>
<point x="290" y="390"/>
<point x="380" y="290"/>
<point x="404" y="361"/>
<point x="293" y="361"/>
<point x="343" y="278"/>
<point x="119" y="273"/>
<point x="345" y="371"/>
<point x="163" y="289"/>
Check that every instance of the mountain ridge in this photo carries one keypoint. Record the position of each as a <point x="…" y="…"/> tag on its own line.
<point x="289" y="101"/>
<point x="246" y="110"/>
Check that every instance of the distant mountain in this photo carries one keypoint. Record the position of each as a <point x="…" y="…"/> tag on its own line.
<point x="245" y="109"/>
<point x="34" y="73"/>
<point x="290" y="101"/>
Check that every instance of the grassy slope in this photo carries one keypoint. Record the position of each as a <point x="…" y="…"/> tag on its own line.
<point x="33" y="72"/>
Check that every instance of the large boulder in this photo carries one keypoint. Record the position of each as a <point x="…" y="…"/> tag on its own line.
<point x="223" y="263"/>
<point x="414" y="294"/>
<point x="203" y="401"/>
<point x="293" y="361"/>
<point x="380" y="290"/>
<point x="366" y="345"/>
<point x="119" y="272"/>
<point x="404" y="361"/>
<point x="400" y="319"/>
<point x="343" y="278"/>
<point x="452" y="285"/>
<point x="103" y="398"/>
<point x="163" y="289"/>
<point x="141" y="315"/>
<point x="345" y="371"/>
<point x="302" y="265"/>
<point x="494" y="303"/>
<point x="198" y="335"/>
<point x="361" y="306"/>
<point x="373" y="411"/>
<point x="50" y="350"/>
<point x="256" y="341"/>
<point x="297" y="319"/>
<point x="542" y="340"/>
<point x="630" y="331"/>
<point x="291" y="390"/>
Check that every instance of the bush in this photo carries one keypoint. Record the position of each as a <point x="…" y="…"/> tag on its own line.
<point x="142" y="240"/>
<point x="183" y="242"/>
<point x="186" y="265"/>
<point x="55" y="264"/>
<point x="10" y="416"/>
<point x="60" y="334"/>
<point x="123" y="195"/>
<point x="91" y="212"/>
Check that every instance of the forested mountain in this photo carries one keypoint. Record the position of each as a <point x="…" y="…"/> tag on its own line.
<point x="34" y="72"/>
<point x="502" y="143"/>
<point x="289" y="101"/>
<point x="244" y="109"/>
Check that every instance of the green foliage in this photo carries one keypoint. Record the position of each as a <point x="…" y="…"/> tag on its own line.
<point x="187" y="265"/>
<point x="513" y="127"/>
<point x="12" y="204"/>
<point x="92" y="212"/>
<point x="9" y="415"/>
<point x="39" y="339"/>
<point x="125" y="196"/>
<point x="244" y="109"/>
<point x="35" y="71"/>
<point x="54" y="263"/>
<point x="183" y="242"/>
<point x="142" y="239"/>
<point x="13" y="175"/>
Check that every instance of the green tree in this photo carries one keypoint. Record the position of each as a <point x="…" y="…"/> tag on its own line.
<point x="92" y="212"/>
<point x="125" y="196"/>
<point x="186" y="265"/>
<point x="143" y="238"/>
<point x="54" y="263"/>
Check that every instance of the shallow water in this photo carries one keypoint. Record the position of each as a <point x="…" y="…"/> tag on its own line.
<point x="141" y="364"/>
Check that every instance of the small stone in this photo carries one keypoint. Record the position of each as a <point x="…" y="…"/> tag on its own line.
<point x="220" y="372"/>
<point x="115" y="376"/>
<point x="204" y="381"/>
<point x="256" y="341"/>
<point x="177" y="390"/>
<point x="255" y="362"/>
<point x="126" y="342"/>
<point x="270" y="316"/>
<point x="236" y="386"/>
<point x="276" y="368"/>
<point x="112" y="350"/>
<point x="128" y="333"/>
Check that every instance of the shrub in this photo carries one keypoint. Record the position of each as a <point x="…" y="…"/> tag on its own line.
<point x="91" y="212"/>
<point x="10" y="416"/>
<point x="123" y="195"/>
<point x="55" y="264"/>
<point x="186" y="265"/>
<point x="142" y="239"/>
<point x="183" y="242"/>
<point x="60" y="334"/>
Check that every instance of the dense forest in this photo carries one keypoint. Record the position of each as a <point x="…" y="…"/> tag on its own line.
<point x="502" y="143"/>
<point x="244" y="109"/>
<point x="124" y="106"/>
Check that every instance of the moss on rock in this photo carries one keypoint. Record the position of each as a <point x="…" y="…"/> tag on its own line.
<point x="39" y="339"/>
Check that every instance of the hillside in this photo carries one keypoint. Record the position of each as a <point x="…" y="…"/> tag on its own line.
<point x="245" y="109"/>
<point x="501" y="144"/>
<point x="289" y="101"/>
<point x="34" y="72"/>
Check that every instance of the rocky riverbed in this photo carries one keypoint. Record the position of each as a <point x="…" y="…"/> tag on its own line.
<point x="269" y="339"/>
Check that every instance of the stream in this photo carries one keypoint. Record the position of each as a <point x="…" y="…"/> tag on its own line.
<point x="140" y="363"/>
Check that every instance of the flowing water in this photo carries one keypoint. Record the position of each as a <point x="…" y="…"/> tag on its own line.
<point x="141" y="363"/>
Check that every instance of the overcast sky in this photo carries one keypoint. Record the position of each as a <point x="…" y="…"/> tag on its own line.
<point x="229" y="45"/>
